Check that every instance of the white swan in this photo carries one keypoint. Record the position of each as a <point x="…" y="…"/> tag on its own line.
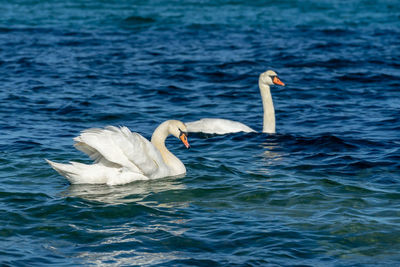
<point x="121" y="156"/>
<point x="222" y="126"/>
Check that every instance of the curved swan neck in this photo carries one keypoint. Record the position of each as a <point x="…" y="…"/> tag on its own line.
<point x="158" y="140"/>
<point x="268" y="105"/>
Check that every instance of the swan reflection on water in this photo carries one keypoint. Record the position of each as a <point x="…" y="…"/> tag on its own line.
<point x="133" y="192"/>
<point x="270" y="156"/>
<point x="158" y="195"/>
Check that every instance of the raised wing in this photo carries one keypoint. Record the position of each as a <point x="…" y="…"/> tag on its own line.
<point x="120" y="146"/>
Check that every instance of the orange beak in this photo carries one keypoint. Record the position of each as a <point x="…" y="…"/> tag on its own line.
<point x="277" y="81"/>
<point x="184" y="140"/>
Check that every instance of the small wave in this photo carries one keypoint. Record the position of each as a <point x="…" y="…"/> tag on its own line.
<point x="69" y="109"/>
<point x="5" y="30"/>
<point x="326" y="142"/>
<point x="137" y="22"/>
<point x="337" y="31"/>
<point x="366" y="77"/>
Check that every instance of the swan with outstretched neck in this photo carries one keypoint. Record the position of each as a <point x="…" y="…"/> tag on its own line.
<point x="223" y="126"/>
<point x="121" y="156"/>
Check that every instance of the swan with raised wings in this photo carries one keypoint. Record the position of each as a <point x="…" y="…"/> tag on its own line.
<point x="121" y="156"/>
<point x="223" y="126"/>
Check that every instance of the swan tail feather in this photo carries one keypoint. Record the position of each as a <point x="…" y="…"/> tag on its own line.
<point x="69" y="171"/>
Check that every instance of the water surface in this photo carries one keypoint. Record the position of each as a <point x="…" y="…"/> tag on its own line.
<point x="323" y="191"/>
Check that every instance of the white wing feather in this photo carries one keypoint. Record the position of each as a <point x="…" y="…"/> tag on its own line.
<point x="217" y="126"/>
<point x="121" y="146"/>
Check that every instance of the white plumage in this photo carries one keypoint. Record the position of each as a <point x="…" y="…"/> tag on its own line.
<point x="121" y="156"/>
<point x="223" y="126"/>
<point x="217" y="126"/>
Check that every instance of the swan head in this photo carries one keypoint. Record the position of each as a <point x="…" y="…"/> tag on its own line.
<point x="270" y="77"/>
<point x="179" y="130"/>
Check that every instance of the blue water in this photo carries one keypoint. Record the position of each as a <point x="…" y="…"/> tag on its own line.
<point x="323" y="191"/>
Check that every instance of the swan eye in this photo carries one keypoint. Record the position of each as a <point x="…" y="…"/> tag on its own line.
<point x="182" y="133"/>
